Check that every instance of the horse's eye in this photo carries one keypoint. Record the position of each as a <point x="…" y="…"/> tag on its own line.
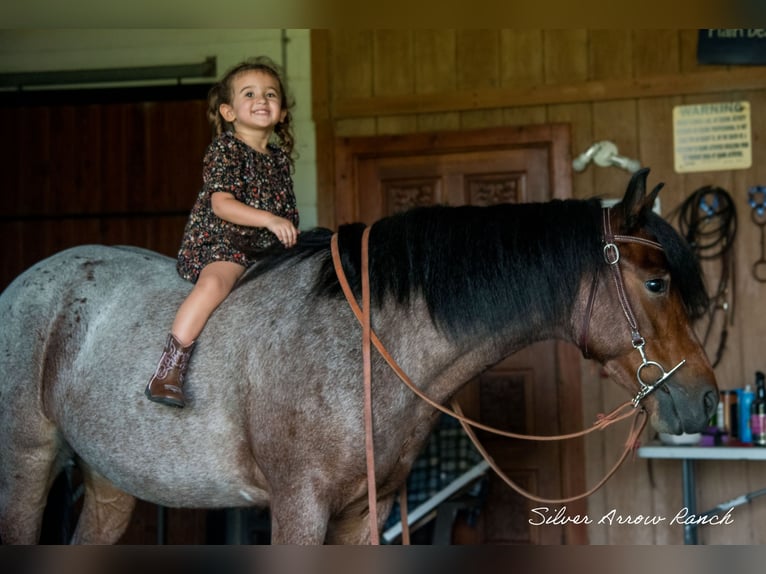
<point x="656" y="285"/>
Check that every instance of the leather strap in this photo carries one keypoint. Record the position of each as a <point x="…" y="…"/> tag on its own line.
<point x="610" y="247"/>
<point x="368" y="422"/>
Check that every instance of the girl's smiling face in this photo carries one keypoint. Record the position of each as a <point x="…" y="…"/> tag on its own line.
<point x="256" y="102"/>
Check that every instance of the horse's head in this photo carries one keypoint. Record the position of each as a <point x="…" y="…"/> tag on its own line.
<point x="638" y="315"/>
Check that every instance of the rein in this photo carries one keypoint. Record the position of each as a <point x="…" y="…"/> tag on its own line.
<point x="612" y="257"/>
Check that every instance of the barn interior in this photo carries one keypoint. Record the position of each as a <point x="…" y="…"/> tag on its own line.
<point x="104" y="130"/>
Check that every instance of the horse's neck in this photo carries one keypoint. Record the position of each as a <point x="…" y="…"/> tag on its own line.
<point x="439" y="365"/>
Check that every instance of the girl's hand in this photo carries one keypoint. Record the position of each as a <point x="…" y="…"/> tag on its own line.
<point x="284" y="229"/>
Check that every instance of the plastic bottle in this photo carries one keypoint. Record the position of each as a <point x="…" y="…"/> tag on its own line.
<point x="758" y="411"/>
<point x="746" y="398"/>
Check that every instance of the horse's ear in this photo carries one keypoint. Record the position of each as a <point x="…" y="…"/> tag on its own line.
<point x="636" y="202"/>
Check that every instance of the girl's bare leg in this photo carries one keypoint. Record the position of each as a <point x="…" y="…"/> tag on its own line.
<point x="214" y="284"/>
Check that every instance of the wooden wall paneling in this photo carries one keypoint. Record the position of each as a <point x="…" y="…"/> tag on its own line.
<point x="474" y="120"/>
<point x="174" y="179"/>
<point x="553" y="93"/>
<point x="656" y="52"/>
<point x="655" y="150"/>
<point x="435" y="54"/>
<point x="114" y="190"/>
<point x="134" y="181"/>
<point x="478" y="59"/>
<point x="615" y="121"/>
<point x="610" y="54"/>
<point x="321" y="98"/>
<point x="393" y="69"/>
<point x="89" y="157"/>
<point x="521" y="65"/>
<point x="34" y="184"/>
<point x="356" y="127"/>
<point x="10" y="155"/>
<point x="435" y="61"/>
<point x="478" y="67"/>
<point x="526" y="115"/>
<point x="352" y="72"/>
<point x="394" y="74"/>
<point x="521" y="58"/>
<point x="64" y="153"/>
<point x="566" y="60"/>
<point x="396" y="124"/>
<point x="566" y="56"/>
<point x="447" y="121"/>
<point x="352" y="75"/>
<point x="580" y="117"/>
<point x="12" y="253"/>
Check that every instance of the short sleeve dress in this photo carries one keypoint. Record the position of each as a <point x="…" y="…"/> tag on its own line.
<point x="261" y="180"/>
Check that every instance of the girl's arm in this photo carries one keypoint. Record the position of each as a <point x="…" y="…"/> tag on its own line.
<point x="230" y="209"/>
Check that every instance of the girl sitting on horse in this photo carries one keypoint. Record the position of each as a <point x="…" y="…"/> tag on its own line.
<point x="246" y="203"/>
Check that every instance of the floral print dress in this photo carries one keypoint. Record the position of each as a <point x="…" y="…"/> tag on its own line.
<point x="260" y="180"/>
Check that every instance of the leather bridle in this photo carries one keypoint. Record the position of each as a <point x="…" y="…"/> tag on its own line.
<point x="612" y="258"/>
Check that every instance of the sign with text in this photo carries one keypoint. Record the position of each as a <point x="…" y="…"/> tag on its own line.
<point x="732" y="46"/>
<point x="712" y="137"/>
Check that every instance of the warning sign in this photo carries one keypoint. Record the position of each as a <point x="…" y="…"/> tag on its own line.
<point x="712" y="137"/>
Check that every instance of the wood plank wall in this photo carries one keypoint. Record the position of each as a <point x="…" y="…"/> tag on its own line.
<point x="619" y="85"/>
<point x="95" y="172"/>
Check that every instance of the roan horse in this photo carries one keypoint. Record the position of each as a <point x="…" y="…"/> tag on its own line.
<point x="275" y="410"/>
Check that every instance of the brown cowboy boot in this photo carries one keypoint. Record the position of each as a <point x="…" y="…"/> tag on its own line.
<point x="166" y="385"/>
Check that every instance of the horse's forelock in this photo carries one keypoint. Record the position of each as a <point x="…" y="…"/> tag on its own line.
<point x="685" y="271"/>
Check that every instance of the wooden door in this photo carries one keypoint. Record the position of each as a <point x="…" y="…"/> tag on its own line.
<point x="536" y="391"/>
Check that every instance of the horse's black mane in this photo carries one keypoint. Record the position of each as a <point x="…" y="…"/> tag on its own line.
<point x="481" y="268"/>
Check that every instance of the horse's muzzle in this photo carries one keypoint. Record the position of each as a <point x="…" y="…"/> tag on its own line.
<point x="680" y="409"/>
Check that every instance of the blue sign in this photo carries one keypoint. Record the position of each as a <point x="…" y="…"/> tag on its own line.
<point x="732" y="46"/>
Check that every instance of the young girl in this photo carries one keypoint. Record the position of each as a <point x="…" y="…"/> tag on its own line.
<point x="246" y="203"/>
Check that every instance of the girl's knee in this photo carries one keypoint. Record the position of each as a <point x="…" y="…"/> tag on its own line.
<point x="213" y="285"/>
<point x="219" y="278"/>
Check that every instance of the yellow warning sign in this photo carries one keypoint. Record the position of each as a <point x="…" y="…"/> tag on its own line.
<point x="712" y="137"/>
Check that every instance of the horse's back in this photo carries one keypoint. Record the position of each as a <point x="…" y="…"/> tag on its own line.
<point x="45" y="310"/>
<point x="52" y="274"/>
